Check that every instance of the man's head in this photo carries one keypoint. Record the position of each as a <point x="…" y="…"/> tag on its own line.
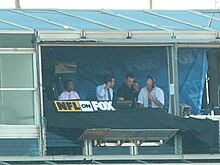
<point x="110" y="79"/>
<point x="150" y="83"/>
<point x="129" y="80"/>
<point x="136" y="86"/>
<point x="69" y="85"/>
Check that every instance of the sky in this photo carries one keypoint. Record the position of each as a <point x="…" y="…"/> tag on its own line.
<point x="114" y="4"/>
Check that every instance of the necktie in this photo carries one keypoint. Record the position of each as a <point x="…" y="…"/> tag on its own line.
<point x="149" y="102"/>
<point x="109" y="95"/>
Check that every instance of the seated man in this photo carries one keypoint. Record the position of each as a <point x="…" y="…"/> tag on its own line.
<point x="136" y="88"/>
<point x="127" y="91"/>
<point x="105" y="91"/>
<point x="151" y="96"/>
<point x="69" y="93"/>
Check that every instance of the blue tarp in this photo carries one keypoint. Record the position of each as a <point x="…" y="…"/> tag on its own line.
<point x="93" y="63"/>
<point x="192" y="70"/>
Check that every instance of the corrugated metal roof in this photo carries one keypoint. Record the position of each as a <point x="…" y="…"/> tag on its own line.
<point x="102" y="20"/>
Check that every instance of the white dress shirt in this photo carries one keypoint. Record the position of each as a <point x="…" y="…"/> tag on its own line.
<point x="69" y="95"/>
<point x="102" y="94"/>
<point x="157" y="93"/>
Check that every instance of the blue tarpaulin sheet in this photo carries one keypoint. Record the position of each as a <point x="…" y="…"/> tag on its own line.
<point x="192" y="70"/>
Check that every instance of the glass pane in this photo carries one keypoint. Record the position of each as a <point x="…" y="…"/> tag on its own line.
<point x="16" y="71"/>
<point x="19" y="147"/>
<point x="17" y="107"/>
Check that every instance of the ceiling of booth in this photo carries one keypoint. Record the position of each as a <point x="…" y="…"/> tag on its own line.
<point x="102" y="20"/>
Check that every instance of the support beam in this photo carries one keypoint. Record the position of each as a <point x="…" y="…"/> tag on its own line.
<point x="178" y="144"/>
<point x="87" y="149"/>
<point x="17" y="4"/>
<point x="151" y="4"/>
<point x="172" y="55"/>
<point x="42" y="140"/>
<point x="134" y="149"/>
<point x="172" y="58"/>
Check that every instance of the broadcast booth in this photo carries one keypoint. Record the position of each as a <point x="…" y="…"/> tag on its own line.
<point x="40" y="49"/>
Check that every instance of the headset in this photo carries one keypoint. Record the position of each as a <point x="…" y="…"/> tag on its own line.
<point x="153" y="80"/>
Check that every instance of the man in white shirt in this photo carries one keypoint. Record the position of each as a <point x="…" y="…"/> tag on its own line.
<point x="105" y="91"/>
<point x="151" y="96"/>
<point x="69" y="93"/>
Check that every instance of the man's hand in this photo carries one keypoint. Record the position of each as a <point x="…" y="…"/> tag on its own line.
<point x="151" y="97"/>
<point x="108" y="85"/>
<point x="157" y="102"/>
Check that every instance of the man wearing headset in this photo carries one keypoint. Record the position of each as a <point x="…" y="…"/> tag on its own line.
<point x="105" y="91"/>
<point x="151" y="96"/>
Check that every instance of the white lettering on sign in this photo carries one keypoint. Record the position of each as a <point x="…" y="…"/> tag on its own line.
<point x="102" y="105"/>
<point x="83" y="106"/>
<point x="86" y="106"/>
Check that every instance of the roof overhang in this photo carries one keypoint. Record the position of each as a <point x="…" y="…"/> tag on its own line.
<point x="129" y="37"/>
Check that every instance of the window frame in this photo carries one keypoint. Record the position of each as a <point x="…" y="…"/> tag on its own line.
<point x="28" y="52"/>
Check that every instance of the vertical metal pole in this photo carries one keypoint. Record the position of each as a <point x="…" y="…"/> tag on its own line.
<point x="133" y="148"/>
<point x="1" y="81"/>
<point x="170" y="81"/>
<point x="219" y="96"/>
<point x="207" y="88"/>
<point x="151" y="4"/>
<point x="175" y="79"/>
<point x="41" y="114"/>
<point x="178" y="144"/>
<point x="37" y="107"/>
<point x="17" y="4"/>
<point x="172" y="58"/>
<point x="90" y="147"/>
<point x="177" y="138"/>
<point x="172" y="55"/>
<point x="87" y="147"/>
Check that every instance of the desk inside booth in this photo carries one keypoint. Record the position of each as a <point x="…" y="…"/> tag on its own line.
<point x="72" y="124"/>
